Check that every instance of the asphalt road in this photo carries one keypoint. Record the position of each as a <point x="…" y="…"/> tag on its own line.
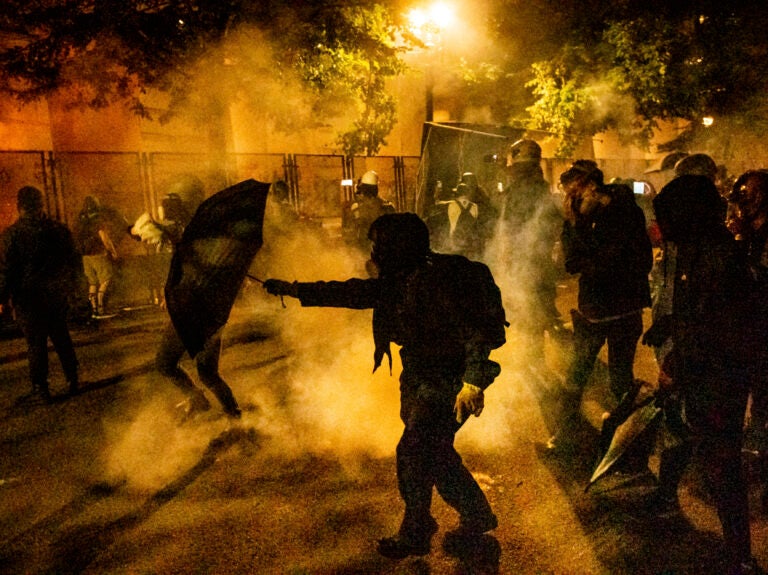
<point x="113" y="480"/>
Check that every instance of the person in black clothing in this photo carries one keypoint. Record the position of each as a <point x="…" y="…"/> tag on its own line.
<point x="39" y="270"/>
<point x="750" y="227"/>
<point x="420" y="302"/>
<point x="529" y="224"/>
<point x="178" y="208"/>
<point x="605" y="242"/>
<point x="718" y="341"/>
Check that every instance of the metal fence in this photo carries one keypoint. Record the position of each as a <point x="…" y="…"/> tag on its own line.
<point x="134" y="182"/>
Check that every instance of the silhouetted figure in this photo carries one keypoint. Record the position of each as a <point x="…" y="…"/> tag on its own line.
<point x="94" y="241"/>
<point x="605" y="242"/>
<point x="358" y="215"/>
<point x="420" y="302"/>
<point x="39" y="271"/>
<point x="716" y="347"/>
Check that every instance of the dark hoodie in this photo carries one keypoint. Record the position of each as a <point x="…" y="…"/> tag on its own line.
<point x="713" y="316"/>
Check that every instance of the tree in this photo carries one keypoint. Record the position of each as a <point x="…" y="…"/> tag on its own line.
<point x="592" y="65"/>
<point x="329" y="56"/>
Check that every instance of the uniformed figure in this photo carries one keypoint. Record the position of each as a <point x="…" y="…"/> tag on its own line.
<point x="358" y="215"/>
<point x="419" y="301"/>
<point x="529" y="224"/>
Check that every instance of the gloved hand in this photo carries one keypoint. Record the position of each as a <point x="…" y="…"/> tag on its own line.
<point x="659" y="331"/>
<point x="469" y="400"/>
<point x="281" y="288"/>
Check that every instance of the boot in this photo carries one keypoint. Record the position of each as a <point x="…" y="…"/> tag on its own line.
<point x="410" y="540"/>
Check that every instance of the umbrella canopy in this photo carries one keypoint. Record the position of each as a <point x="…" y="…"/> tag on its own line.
<point x="625" y="435"/>
<point x="210" y="263"/>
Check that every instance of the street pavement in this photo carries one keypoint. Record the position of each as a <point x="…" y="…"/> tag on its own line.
<point x="115" y="480"/>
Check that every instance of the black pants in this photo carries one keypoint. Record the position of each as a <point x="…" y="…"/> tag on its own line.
<point x="426" y="457"/>
<point x="207" y="360"/>
<point x="621" y="335"/>
<point x="715" y="401"/>
<point x="39" y="321"/>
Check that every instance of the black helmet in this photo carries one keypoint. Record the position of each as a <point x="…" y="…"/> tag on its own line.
<point x="751" y="199"/>
<point x="525" y="151"/>
<point x="696" y="165"/>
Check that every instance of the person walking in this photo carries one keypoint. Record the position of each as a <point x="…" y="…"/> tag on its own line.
<point x="528" y="226"/>
<point x="604" y="242"/>
<point x="420" y="301"/>
<point x="39" y="270"/>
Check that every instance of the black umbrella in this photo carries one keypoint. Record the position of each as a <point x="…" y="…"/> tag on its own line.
<point x="211" y="261"/>
<point x="625" y="435"/>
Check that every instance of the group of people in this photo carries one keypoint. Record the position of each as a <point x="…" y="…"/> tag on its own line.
<point x="707" y="294"/>
<point x="41" y="267"/>
<point x="709" y="322"/>
<point x="709" y="316"/>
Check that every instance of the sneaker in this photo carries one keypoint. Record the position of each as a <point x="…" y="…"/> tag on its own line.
<point x="401" y="546"/>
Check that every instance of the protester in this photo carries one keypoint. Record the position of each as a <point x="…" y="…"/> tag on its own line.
<point x="179" y="207"/>
<point x="419" y="300"/>
<point x="455" y="225"/>
<point x="39" y="270"/>
<point x="605" y="242"/>
<point x="750" y="227"/>
<point x="94" y="241"/>
<point x="716" y="345"/>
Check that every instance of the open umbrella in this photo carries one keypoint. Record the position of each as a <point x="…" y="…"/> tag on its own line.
<point x="625" y="435"/>
<point x="211" y="261"/>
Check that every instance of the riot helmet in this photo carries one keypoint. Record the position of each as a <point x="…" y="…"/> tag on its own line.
<point x="524" y="150"/>
<point x="189" y="189"/>
<point x="368" y="185"/>
<point x="696" y="165"/>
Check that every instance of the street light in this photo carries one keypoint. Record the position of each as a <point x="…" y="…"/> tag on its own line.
<point x="427" y="24"/>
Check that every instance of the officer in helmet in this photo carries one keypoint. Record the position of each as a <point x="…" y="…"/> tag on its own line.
<point x="358" y="215"/>
<point x="528" y="228"/>
<point x="419" y="300"/>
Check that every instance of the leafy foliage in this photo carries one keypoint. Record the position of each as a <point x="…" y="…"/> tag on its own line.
<point x="328" y="56"/>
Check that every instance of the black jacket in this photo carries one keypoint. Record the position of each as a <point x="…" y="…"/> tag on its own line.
<point x="613" y="255"/>
<point x="38" y="261"/>
<point x="446" y="314"/>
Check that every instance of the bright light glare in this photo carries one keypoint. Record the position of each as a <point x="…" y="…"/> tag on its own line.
<point x="707" y="120"/>
<point x="439" y="15"/>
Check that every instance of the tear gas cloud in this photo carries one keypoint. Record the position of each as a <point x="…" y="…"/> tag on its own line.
<point x="307" y="386"/>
